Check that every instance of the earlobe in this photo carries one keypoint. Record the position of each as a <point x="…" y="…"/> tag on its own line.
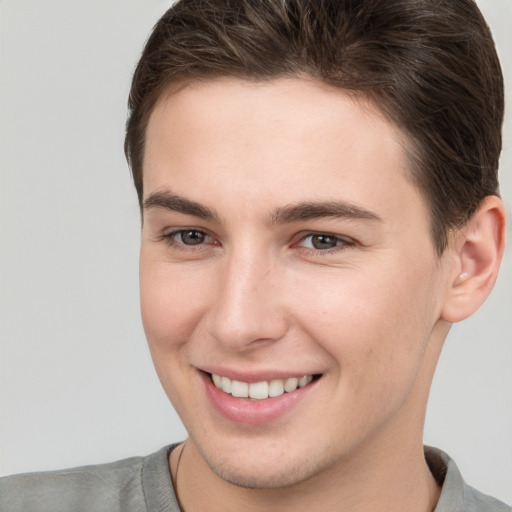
<point x="479" y="248"/>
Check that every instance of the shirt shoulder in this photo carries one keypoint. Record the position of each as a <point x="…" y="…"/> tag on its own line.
<point x="113" y="487"/>
<point x="456" y="494"/>
<point x="481" y="502"/>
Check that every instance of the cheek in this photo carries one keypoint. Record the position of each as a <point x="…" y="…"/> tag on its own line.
<point x="372" y="326"/>
<point x="171" y="308"/>
<point x="171" y="304"/>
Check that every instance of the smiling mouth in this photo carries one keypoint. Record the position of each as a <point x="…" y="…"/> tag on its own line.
<point x="260" y="390"/>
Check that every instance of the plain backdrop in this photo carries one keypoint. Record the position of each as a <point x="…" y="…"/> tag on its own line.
<point x="77" y="382"/>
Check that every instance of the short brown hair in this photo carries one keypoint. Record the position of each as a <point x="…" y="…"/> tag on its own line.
<point x="429" y="65"/>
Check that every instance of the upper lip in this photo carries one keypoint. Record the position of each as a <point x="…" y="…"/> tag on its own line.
<point x="254" y="375"/>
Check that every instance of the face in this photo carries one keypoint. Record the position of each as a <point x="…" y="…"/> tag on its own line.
<point x="286" y="258"/>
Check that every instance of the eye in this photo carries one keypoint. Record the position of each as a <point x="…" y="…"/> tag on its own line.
<point x="324" y="242"/>
<point x="190" y="237"/>
<point x="183" y="238"/>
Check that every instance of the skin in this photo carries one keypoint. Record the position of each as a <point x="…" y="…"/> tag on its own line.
<point x="369" y="313"/>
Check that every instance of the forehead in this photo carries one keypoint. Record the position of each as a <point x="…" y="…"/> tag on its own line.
<point x="275" y="142"/>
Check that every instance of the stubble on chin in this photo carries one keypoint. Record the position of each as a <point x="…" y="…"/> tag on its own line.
<point x="261" y="476"/>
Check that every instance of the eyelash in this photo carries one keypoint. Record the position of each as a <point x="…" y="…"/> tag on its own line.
<point x="342" y="243"/>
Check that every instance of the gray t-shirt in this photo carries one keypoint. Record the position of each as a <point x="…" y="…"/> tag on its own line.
<point x="143" y="484"/>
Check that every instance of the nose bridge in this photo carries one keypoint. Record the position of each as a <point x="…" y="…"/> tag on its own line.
<point x="247" y="307"/>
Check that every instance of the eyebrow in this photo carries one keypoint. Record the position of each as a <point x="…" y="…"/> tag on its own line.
<point x="175" y="203"/>
<point x="287" y="214"/>
<point x="318" y="210"/>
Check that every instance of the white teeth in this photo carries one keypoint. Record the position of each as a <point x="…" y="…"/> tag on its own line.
<point x="291" y="384"/>
<point x="225" y="385"/>
<point x="217" y="379"/>
<point x="304" y="381"/>
<point x="239" y="389"/>
<point x="260" y="390"/>
<point x="276" y="388"/>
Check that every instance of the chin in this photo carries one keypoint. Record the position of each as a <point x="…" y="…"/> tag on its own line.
<point x="260" y="474"/>
<point x="260" y="479"/>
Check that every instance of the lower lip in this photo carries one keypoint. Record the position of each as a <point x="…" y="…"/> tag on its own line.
<point x="253" y="412"/>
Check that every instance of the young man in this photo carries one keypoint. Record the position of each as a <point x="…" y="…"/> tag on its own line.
<point x="318" y="188"/>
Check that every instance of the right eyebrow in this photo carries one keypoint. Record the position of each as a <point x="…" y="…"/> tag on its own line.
<point x="176" y="203"/>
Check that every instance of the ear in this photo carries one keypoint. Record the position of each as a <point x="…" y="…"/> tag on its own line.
<point x="478" y="249"/>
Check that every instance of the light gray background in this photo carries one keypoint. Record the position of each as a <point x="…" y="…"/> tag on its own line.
<point x="77" y="383"/>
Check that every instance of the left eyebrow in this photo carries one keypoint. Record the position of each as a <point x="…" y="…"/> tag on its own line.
<point x="313" y="210"/>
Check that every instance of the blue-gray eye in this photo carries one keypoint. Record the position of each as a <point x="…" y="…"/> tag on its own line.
<point x="191" y="237"/>
<point x="323" y="241"/>
<point x="320" y="241"/>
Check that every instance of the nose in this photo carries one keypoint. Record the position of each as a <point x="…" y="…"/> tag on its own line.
<point x="248" y="312"/>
